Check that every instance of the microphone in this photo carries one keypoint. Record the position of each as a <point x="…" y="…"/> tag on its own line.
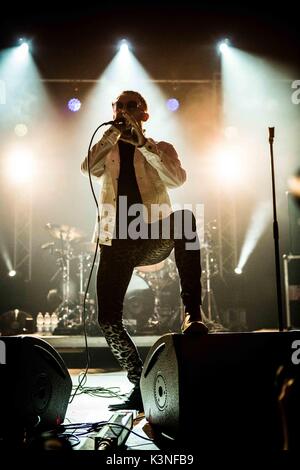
<point x="119" y="121"/>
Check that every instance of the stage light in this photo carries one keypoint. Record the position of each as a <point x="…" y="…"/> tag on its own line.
<point x="20" y="165"/>
<point x="228" y="164"/>
<point x="12" y="273"/>
<point x="124" y="46"/>
<point x="258" y="223"/>
<point x="238" y="270"/>
<point x="224" y="46"/>
<point x="6" y="257"/>
<point x="172" y="104"/>
<point x="74" y="105"/>
<point x="22" y="50"/>
<point x="124" y="72"/>
<point x="21" y="130"/>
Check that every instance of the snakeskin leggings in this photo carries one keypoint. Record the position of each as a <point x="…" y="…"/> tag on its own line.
<point x="115" y="270"/>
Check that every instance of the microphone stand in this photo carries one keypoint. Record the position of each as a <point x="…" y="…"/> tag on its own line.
<point x="276" y="236"/>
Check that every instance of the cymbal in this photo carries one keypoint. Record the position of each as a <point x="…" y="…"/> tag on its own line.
<point x="65" y="232"/>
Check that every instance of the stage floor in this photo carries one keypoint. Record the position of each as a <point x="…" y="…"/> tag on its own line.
<point x="85" y="408"/>
<point x="73" y="352"/>
<point x="78" y="341"/>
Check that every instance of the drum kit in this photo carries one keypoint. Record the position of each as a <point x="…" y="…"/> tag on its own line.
<point x="69" y="247"/>
<point x="152" y="304"/>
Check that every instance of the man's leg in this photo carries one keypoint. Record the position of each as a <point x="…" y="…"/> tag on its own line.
<point x="179" y="230"/>
<point x="114" y="274"/>
<point x="188" y="262"/>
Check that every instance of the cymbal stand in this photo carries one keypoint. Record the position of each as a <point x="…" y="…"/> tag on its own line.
<point x="64" y="309"/>
<point x="81" y="277"/>
<point x="81" y="293"/>
<point x="89" y="309"/>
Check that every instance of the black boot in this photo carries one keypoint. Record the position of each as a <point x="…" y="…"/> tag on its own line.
<point x="133" y="402"/>
<point x="193" y="324"/>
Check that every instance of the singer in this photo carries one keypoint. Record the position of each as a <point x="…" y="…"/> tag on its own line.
<point x="139" y="170"/>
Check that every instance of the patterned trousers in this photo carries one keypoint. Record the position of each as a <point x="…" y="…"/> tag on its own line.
<point x="116" y="266"/>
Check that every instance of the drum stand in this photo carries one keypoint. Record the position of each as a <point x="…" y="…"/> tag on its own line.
<point x="65" y="309"/>
<point x="81" y="285"/>
<point x="91" y="322"/>
<point x="70" y="316"/>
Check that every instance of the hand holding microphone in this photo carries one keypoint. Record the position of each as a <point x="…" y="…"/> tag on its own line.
<point x="130" y="128"/>
<point x="121" y="123"/>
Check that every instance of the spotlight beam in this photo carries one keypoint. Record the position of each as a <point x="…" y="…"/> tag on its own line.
<point x="259" y="222"/>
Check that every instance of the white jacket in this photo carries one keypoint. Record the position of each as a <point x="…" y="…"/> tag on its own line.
<point x="157" y="167"/>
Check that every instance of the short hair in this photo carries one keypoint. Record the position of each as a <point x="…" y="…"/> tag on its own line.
<point x="142" y="100"/>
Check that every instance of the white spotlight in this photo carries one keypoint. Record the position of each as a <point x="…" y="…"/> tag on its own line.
<point x="20" y="165"/>
<point x="24" y="47"/>
<point x="12" y="273"/>
<point x="260" y="219"/>
<point x="22" y="51"/>
<point x="21" y="130"/>
<point x="224" y="46"/>
<point x="124" y="46"/>
<point x="238" y="270"/>
<point x="228" y="164"/>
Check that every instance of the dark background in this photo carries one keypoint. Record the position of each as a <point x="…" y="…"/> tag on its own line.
<point x="68" y="38"/>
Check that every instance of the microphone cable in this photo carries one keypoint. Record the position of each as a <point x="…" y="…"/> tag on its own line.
<point x="83" y="375"/>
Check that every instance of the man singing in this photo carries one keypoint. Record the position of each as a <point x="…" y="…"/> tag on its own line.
<point x="138" y="227"/>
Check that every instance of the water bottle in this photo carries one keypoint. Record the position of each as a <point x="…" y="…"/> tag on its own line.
<point x="54" y="321"/>
<point x="40" y="323"/>
<point x="47" y="323"/>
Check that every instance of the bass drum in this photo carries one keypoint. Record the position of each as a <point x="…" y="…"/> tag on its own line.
<point x="138" y="305"/>
<point x="159" y="276"/>
<point x="152" y="304"/>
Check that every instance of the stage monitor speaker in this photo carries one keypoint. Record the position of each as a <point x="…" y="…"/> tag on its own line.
<point x="224" y="390"/>
<point x="35" y="387"/>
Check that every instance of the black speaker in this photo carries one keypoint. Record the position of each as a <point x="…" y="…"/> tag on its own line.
<point x="224" y="390"/>
<point x="35" y="387"/>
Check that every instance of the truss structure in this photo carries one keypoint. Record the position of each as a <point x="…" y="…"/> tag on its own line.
<point x="23" y="232"/>
<point x="227" y="233"/>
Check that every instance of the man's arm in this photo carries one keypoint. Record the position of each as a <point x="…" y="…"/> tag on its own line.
<point x="99" y="152"/>
<point x="163" y="157"/>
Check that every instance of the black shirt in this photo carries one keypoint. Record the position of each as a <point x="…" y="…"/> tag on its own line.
<point x="127" y="183"/>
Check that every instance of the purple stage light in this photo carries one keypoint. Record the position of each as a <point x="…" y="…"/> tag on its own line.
<point x="74" y="105"/>
<point x="173" y="104"/>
